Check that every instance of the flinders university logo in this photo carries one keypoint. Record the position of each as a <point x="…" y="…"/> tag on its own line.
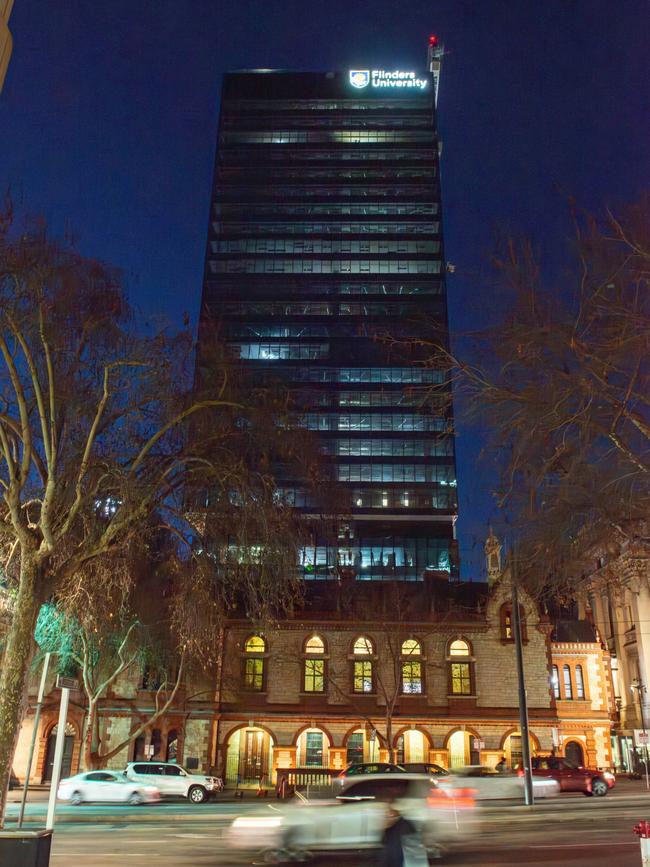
<point x="359" y="77"/>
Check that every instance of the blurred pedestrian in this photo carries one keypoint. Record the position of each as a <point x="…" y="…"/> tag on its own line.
<point x="401" y="844"/>
<point x="502" y="766"/>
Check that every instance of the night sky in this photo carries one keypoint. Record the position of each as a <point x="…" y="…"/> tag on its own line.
<point x="108" y="122"/>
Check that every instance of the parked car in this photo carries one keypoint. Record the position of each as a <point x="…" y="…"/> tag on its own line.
<point x="357" y="768"/>
<point x="491" y="785"/>
<point x="572" y="778"/>
<point x="356" y="818"/>
<point x="174" y="781"/>
<point x="106" y="787"/>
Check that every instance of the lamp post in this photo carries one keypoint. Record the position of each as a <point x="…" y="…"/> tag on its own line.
<point x="640" y="687"/>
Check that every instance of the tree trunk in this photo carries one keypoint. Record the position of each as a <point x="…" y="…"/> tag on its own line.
<point x="15" y="668"/>
<point x="91" y="736"/>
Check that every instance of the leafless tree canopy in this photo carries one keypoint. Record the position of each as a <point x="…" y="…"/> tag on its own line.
<point x="562" y="381"/>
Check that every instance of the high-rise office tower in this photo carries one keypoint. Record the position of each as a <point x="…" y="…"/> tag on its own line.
<point x="6" y="42"/>
<point x="325" y="236"/>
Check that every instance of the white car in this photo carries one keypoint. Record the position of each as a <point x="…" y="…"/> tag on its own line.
<point x="174" y="781"/>
<point x="106" y="787"/>
<point x="356" y="819"/>
<point x="490" y="784"/>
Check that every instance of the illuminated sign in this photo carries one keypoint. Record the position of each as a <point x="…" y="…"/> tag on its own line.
<point x="361" y="78"/>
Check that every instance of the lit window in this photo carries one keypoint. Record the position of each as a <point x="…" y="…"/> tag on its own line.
<point x="254" y="665"/>
<point x="555" y="681"/>
<point x="362" y="676"/>
<point x="568" y="688"/>
<point x="314" y="675"/>
<point x="459" y="648"/>
<point x="315" y="645"/>
<point x="460" y="678"/>
<point x="411" y="647"/>
<point x="363" y="647"/>
<point x="580" y="684"/>
<point x="412" y="678"/>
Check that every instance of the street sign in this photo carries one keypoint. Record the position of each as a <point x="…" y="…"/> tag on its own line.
<point x="641" y="737"/>
<point x="67" y="682"/>
<point x="149" y="750"/>
<point x="479" y="744"/>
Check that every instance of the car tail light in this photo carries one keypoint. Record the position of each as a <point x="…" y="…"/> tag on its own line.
<point x="520" y="772"/>
<point x="456" y="798"/>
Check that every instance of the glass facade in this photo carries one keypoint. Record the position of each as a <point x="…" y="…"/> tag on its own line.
<point x="325" y="232"/>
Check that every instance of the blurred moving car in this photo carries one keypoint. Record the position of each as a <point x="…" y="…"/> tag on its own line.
<point x="490" y="784"/>
<point x="572" y="778"/>
<point x="356" y="818"/>
<point x="106" y="787"/>
<point x="357" y="768"/>
<point x="174" y="781"/>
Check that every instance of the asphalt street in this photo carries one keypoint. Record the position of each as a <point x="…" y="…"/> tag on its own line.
<point x="568" y="830"/>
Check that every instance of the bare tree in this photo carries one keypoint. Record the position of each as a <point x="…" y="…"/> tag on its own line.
<point x="562" y="383"/>
<point x="94" y="444"/>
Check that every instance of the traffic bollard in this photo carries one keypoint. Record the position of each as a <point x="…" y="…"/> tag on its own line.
<point x="643" y="832"/>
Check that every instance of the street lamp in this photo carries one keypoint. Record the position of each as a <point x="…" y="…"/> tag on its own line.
<point x="640" y="687"/>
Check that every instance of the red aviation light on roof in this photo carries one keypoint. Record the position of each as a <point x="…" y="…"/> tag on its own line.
<point x="433" y="40"/>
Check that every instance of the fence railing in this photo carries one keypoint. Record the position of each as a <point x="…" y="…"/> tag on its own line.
<point x="306" y="779"/>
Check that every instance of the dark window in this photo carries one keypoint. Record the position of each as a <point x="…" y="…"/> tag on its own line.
<point x="100" y="776"/>
<point x="355" y="749"/>
<point x="173" y="771"/>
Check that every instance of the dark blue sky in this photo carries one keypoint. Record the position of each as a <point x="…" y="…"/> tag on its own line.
<point x="109" y="114"/>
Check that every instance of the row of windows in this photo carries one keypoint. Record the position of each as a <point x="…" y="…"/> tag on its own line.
<point x="392" y="551"/>
<point x="241" y="156"/>
<point x="323" y="266"/>
<point x="362" y="668"/>
<point x="278" y="330"/>
<point x="322" y="245"/>
<point x="340" y="135"/>
<point x="443" y="474"/>
<point x="332" y="286"/>
<point x="403" y="375"/>
<point x="317" y="121"/>
<point x="334" y="228"/>
<point x="389" y="448"/>
<point x="274" y="105"/>
<point x="345" y="173"/>
<point x="283" y="193"/>
<point x="275" y="351"/>
<point x="373" y="421"/>
<point x="251" y="210"/>
<point x="317" y="308"/>
<point x="374" y="398"/>
<point x="442" y="498"/>
<point x="568" y="683"/>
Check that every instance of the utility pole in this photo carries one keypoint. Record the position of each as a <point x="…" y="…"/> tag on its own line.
<point x="523" y="703"/>
<point x="640" y="687"/>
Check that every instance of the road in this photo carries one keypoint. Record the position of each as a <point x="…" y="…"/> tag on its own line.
<point x="570" y="830"/>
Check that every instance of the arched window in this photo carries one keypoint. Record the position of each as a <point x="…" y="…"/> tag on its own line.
<point x="254" y="648"/>
<point x="461" y="674"/>
<point x="255" y="644"/>
<point x="555" y="681"/>
<point x="411" y="668"/>
<point x="363" y="646"/>
<point x="363" y="680"/>
<point x="411" y="647"/>
<point x="568" y="688"/>
<point x="315" y="644"/>
<point x="314" y="665"/>
<point x="459" y="647"/>
<point x="580" y="683"/>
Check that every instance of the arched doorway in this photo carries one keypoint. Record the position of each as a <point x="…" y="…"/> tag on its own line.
<point x="512" y="748"/>
<point x="460" y="750"/>
<point x="313" y="747"/>
<point x="574" y="753"/>
<point x="68" y="747"/>
<point x="412" y="746"/>
<point x="362" y="747"/>
<point x="249" y="757"/>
